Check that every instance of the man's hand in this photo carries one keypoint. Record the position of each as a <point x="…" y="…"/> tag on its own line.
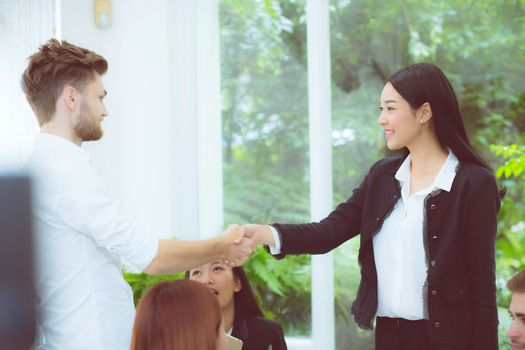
<point x="238" y="247"/>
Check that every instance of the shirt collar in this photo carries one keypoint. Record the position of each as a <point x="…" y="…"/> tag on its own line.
<point x="446" y="175"/>
<point x="61" y="145"/>
<point x="443" y="179"/>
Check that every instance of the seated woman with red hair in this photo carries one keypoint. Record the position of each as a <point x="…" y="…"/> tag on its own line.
<point x="179" y="314"/>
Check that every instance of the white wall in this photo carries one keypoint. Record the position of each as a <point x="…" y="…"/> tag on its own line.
<point x="150" y="151"/>
<point x="194" y="70"/>
<point x="24" y="26"/>
<point x="134" y="154"/>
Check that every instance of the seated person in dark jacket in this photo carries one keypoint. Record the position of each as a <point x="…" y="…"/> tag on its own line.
<point x="242" y="315"/>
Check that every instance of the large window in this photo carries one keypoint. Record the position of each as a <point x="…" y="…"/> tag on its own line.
<point x="478" y="44"/>
<point x="265" y="132"/>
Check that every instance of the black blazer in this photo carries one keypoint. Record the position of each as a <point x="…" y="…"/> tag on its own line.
<point x="459" y="238"/>
<point x="257" y="333"/>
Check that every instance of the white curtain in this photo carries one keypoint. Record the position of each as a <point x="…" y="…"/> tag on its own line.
<point x="24" y="26"/>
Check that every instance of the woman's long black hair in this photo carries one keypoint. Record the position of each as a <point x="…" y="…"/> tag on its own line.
<point x="244" y="299"/>
<point x="425" y="82"/>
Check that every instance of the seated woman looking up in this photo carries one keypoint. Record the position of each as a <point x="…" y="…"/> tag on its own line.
<point x="242" y="315"/>
<point x="178" y="315"/>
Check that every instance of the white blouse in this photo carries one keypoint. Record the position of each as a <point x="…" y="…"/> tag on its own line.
<point x="399" y="251"/>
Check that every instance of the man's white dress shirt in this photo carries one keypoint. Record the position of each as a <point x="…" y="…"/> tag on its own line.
<point x="81" y="234"/>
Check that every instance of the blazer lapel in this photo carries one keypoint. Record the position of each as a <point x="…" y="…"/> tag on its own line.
<point x="385" y="193"/>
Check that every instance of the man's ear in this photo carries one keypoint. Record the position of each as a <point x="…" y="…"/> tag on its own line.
<point x="425" y="113"/>
<point x="69" y="97"/>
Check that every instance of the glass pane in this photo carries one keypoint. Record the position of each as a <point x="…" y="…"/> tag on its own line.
<point x="265" y="134"/>
<point x="357" y="143"/>
<point x="480" y="47"/>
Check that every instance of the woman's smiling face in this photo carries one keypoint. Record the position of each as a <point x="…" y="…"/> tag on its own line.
<point x="398" y="119"/>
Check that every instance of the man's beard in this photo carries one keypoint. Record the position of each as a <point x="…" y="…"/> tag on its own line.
<point x="87" y="127"/>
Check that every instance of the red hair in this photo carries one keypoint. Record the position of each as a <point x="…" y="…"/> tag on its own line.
<point x="54" y="66"/>
<point x="180" y="314"/>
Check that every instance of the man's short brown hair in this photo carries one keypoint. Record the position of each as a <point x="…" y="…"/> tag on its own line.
<point x="55" y="65"/>
<point x="517" y="283"/>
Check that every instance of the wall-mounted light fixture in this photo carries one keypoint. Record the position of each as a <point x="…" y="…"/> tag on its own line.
<point x="102" y="13"/>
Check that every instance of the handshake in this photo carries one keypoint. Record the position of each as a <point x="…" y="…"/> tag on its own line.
<point x="241" y="241"/>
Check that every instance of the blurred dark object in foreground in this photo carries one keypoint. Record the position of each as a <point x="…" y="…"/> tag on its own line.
<point x="17" y="290"/>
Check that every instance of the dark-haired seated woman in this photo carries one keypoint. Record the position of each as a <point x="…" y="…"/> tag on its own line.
<point x="242" y="315"/>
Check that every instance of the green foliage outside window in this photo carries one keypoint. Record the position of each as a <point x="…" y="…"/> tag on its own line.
<point x="479" y="44"/>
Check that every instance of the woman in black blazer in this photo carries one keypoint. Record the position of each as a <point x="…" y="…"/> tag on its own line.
<point x="427" y="222"/>
<point x="242" y="316"/>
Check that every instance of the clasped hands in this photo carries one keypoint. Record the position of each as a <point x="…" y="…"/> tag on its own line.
<point x="242" y="241"/>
